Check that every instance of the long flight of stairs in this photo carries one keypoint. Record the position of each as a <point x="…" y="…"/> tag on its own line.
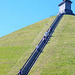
<point x="33" y="57"/>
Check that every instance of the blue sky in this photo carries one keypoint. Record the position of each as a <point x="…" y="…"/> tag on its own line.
<point x="16" y="14"/>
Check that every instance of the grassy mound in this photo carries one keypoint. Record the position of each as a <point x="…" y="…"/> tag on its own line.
<point x="16" y="47"/>
<point x="57" y="57"/>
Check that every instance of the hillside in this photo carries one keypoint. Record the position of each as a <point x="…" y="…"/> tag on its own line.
<point x="16" y="47"/>
<point x="57" y="57"/>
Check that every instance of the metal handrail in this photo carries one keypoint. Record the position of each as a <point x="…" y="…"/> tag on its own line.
<point x="57" y="19"/>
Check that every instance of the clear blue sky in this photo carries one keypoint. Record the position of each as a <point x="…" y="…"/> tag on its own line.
<point x="16" y="14"/>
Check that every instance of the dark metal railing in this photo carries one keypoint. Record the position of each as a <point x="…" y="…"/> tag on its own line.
<point x="33" y="57"/>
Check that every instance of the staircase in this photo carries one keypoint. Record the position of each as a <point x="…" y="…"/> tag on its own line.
<point x="33" y="57"/>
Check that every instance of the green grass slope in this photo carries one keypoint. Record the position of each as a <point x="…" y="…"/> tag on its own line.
<point x="16" y="47"/>
<point x="58" y="57"/>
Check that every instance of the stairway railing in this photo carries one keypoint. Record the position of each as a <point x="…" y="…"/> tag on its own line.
<point x="33" y="57"/>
